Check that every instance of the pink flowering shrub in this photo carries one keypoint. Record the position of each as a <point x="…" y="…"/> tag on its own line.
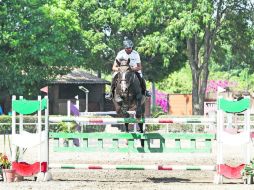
<point x="162" y="100"/>
<point x="212" y="85"/>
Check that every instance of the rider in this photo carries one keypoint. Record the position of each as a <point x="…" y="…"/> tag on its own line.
<point x="135" y="64"/>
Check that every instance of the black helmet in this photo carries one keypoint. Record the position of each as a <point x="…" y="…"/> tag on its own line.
<point x="127" y="43"/>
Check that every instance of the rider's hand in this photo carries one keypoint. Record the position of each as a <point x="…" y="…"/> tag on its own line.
<point x="117" y="69"/>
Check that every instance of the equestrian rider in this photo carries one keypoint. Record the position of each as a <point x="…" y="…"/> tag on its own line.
<point x="135" y="64"/>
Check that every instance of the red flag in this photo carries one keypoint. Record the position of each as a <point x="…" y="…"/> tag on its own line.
<point x="45" y="89"/>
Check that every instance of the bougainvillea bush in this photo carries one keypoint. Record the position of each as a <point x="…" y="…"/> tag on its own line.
<point x="162" y="100"/>
<point x="212" y="85"/>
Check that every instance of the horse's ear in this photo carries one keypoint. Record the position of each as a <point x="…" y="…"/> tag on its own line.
<point x="128" y="62"/>
<point x="118" y="63"/>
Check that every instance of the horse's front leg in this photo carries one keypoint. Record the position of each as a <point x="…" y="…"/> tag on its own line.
<point x="140" y="125"/>
<point x="138" y="106"/>
<point x="127" y="127"/>
<point x="142" y="141"/>
<point x="127" y="131"/>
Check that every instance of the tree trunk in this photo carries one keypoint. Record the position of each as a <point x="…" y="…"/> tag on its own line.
<point x="199" y="68"/>
<point x="153" y="96"/>
<point x="99" y="73"/>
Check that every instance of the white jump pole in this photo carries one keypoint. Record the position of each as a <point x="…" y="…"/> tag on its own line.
<point x="13" y="129"/>
<point x="39" y="130"/>
<point x="21" y="128"/>
<point x="47" y="132"/>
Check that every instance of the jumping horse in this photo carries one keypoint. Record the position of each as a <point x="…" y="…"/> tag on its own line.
<point x="127" y="94"/>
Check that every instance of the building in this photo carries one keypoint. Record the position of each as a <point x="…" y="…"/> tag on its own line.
<point x="66" y="88"/>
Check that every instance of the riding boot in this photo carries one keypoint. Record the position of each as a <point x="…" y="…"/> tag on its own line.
<point x="142" y="85"/>
<point x="146" y="92"/>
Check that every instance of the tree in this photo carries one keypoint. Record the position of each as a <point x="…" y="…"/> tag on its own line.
<point x="38" y="41"/>
<point x="233" y="50"/>
<point x="134" y="20"/>
<point x="199" y="23"/>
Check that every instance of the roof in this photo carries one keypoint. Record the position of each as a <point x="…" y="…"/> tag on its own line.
<point x="78" y="76"/>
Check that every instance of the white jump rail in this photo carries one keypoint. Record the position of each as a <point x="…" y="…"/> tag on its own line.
<point x="193" y="120"/>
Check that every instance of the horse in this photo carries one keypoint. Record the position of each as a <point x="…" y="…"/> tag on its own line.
<point x="127" y="94"/>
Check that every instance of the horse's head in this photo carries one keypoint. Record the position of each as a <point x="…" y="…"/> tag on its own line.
<point x="124" y="64"/>
<point x="124" y="76"/>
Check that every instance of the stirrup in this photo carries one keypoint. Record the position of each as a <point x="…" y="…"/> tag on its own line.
<point x="147" y="93"/>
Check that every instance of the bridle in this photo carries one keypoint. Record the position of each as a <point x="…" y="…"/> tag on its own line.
<point x="122" y="77"/>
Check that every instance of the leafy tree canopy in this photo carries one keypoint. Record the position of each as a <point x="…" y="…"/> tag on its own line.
<point x="38" y="40"/>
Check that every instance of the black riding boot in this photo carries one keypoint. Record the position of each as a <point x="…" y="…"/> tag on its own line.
<point x="142" y="83"/>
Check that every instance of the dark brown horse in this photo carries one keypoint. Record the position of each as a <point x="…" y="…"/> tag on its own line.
<point x="127" y="95"/>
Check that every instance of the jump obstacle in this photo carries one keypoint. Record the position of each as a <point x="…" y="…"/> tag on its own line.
<point x="221" y="168"/>
<point x="229" y="108"/>
<point x="24" y="139"/>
